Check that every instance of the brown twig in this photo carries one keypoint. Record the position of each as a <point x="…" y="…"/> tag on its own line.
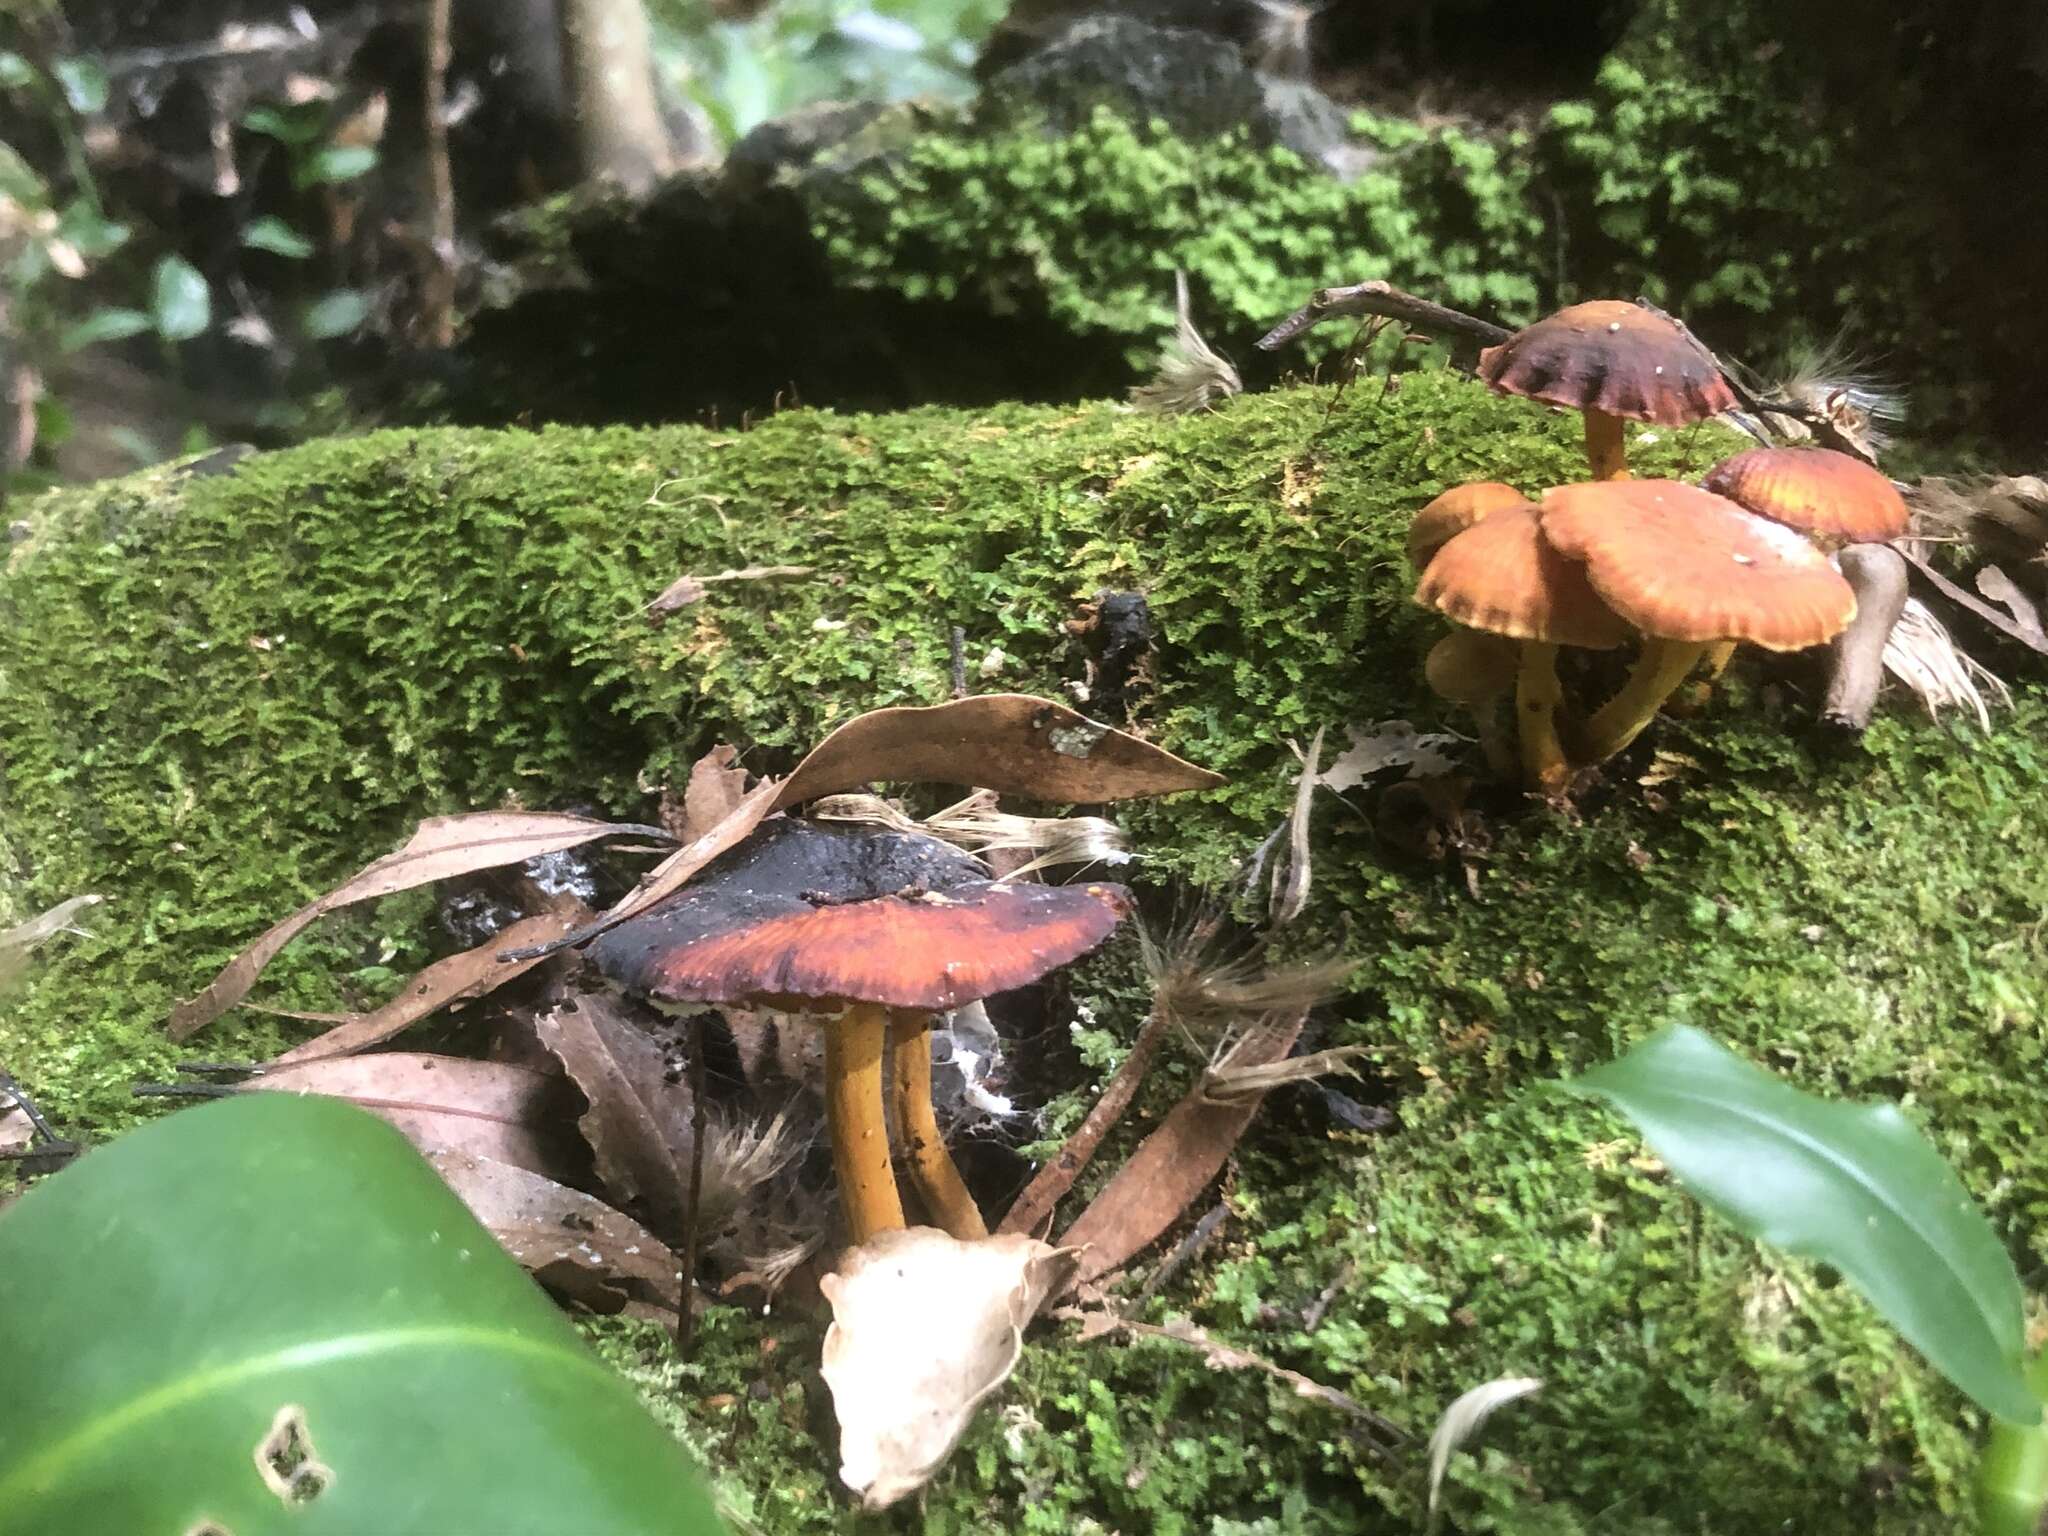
<point x="1999" y="621"/>
<point x="1033" y="1209"/>
<point x="686" y="1288"/>
<point x="1385" y="300"/>
<point x="439" y="300"/>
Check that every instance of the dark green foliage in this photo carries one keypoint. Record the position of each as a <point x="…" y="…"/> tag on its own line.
<point x="218" y="695"/>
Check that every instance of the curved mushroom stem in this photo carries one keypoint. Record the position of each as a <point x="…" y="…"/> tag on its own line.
<point x="1719" y="654"/>
<point x="1876" y="573"/>
<point x="1657" y="673"/>
<point x="853" y="1113"/>
<point x="1536" y="699"/>
<point x="1605" y="451"/>
<point x="1493" y="739"/>
<point x="932" y="1169"/>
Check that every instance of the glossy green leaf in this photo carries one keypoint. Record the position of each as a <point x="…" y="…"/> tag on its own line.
<point x="272" y="234"/>
<point x="270" y="1260"/>
<point x="293" y="125"/>
<point x="180" y="302"/>
<point x="84" y="83"/>
<point x="1853" y="1185"/>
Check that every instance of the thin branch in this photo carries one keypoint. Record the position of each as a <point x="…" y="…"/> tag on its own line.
<point x="439" y="306"/>
<point x="1033" y="1208"/>
<point x="1383" y="299"/>
<point x="2001" y="622"/>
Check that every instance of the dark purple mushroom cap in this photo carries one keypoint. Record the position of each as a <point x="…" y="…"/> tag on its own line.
<point x="1610" y="356"/>
<point x="809" y="910"/>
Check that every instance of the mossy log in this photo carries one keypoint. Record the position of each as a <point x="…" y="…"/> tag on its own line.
<point x="218" y="694"/>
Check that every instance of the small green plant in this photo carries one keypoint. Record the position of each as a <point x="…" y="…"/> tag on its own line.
<point x="1857" y="1187"/>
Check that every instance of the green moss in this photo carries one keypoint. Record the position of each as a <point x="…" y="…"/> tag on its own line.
<point x="218" y="695"/>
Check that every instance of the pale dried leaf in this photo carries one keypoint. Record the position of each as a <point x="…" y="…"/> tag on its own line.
<point x="1288" y="894"/>
<point x="443" y="847"/>
<point x="488" y="1109"/>
<point x="686" y="590"/>
<point x="473" y="973"/>
<point x="1191" y="375"/>
<point x="22" y="940"/>
<point x="1389" y="744"/>
<point x="1462" y="1420"/>
<point x="1228" y="1082"/>
<point x="16" y="1130"/>
<point x="717" y="786"/>
<point x="924" y="1327"/>
<point x="1923" y="656"/>
<point x="637" y="1123"/>
<point x="573" y="1243"/>
<point x="2004" y="591"/>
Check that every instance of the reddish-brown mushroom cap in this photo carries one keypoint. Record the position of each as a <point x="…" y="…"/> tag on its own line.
<point x="1816" y="490"/>
<point x="1455" y="511"/>
<point x="849" y="914"/>
<point x="1681" y="563"/>
<point x="1500" y="576"/>
<point x="1614" y="357"/>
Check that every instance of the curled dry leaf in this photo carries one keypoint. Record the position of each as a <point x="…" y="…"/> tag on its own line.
<point x="16" y="1130"/>
<point x="924" y="1326"/>
<point x="483" y="1108"/>
<point x="572" y="1243"/>
<point x="687" y="590"/>
<point x="442" y="847"/>
<point x="637" y="1123"/>
<point x="471" y="974"/>
<point x="1012" y="743"/>
<point x="717" y="786"/>
<point x="1173" y="1165"/>
<point x="1388" y="744"/>
<point x="1008" y="742"/>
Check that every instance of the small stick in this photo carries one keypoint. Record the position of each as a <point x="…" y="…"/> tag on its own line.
<point x="957" y="641"/>
<point x="686" y="1314"/>
<point x="1032" y="1209"/>
<point x="439" y="303"/>
<point x="1186" y="1248"/>
<point x="13" y="1090"/>
<point x="1384" y="300"/>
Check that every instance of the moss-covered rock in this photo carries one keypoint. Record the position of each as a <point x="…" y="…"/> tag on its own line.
<point x="219" y="694"/>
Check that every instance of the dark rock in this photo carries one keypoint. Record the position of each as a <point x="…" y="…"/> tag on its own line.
<point x="1195" y="82"/>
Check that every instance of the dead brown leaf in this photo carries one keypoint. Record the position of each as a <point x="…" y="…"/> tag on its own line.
<point x="637" y="1123"/>
<point x="572" y="1243"/>
<point x="483" y="1108"/>
<point x="442" y="847"/>
<point x="924" y="1327"/>
<point x="717" y="786"/>
<point x="1173" y="1165"/>
<point x="473" y="973"/>
<point x="1008" y="742"/>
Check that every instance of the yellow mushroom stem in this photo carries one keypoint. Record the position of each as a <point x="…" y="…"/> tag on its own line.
<point x="853" y="1114"/>
<point x="1719" y="654"/>
<point x="1537" y="695"/>
<point x="1605" y="451"/>
<point x="938" y="1181"/>
<point x="1658" y="671"/>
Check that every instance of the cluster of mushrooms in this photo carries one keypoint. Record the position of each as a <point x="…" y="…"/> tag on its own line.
<point x="1751" y="555"/>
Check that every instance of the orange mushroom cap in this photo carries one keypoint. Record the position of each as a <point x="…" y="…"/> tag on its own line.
<point x="1614" y="357"/>
<point x="1816" y="490"/>
<point x="808" y="910"/>
<point x="1681" y="563"/>
<point x="1499" y="576"/>
<point x="1455" y="511"/>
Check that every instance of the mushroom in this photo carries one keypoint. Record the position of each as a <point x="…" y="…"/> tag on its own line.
<point x="1500" y="577"/>
<point x="1611" y="360"/>
<point x="1835" y="500"/>
<point x="1455" y="511"/>
<point x="1478" y="671"/>
<point x="1688" y="568"/>
<point x="892" y="927"/>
